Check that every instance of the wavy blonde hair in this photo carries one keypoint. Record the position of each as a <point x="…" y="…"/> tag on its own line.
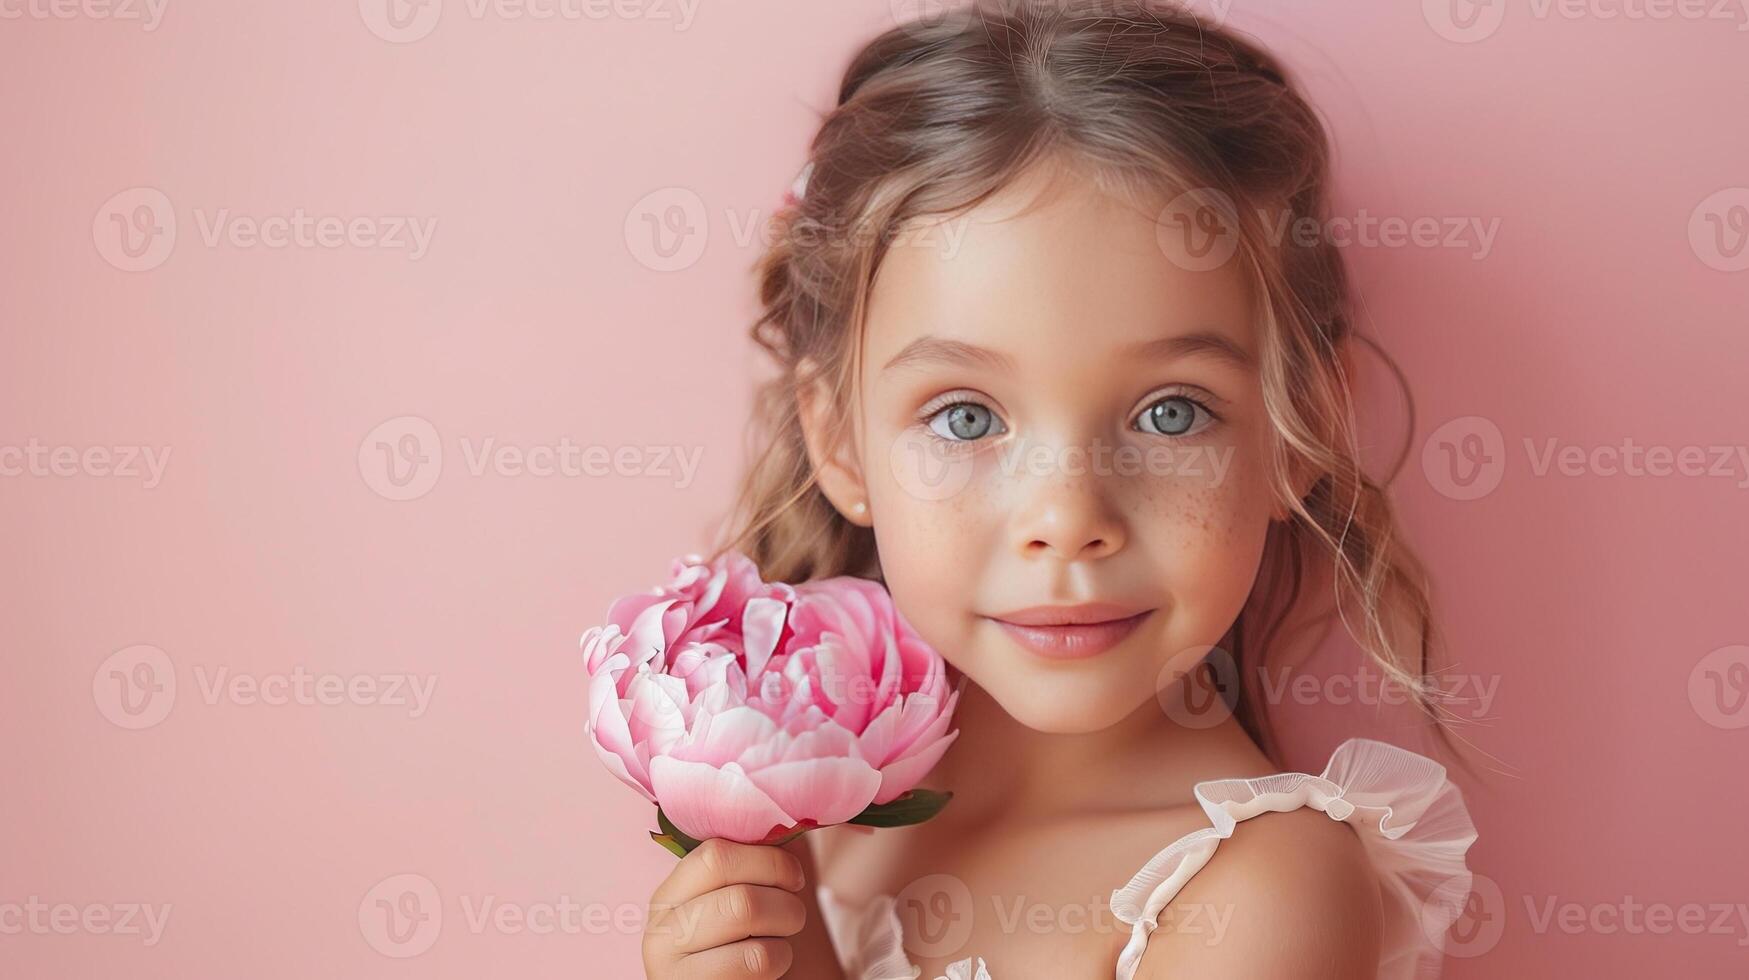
<point x="934" y="117"/>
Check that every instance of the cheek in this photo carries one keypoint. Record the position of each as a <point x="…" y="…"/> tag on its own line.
<point x="1206" y="537"/>
<point x="936" y="526"/>
<point x="930" y="590"/>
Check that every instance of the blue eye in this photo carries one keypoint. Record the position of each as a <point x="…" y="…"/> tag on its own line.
<point x="965" y="422"/>
<point x="1174" y="415"/>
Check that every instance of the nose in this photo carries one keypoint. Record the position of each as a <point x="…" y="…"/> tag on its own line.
<point x="1068" y="517"/>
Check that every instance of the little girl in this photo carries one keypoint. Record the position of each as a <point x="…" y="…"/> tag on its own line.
<point x="1052" y="373"/>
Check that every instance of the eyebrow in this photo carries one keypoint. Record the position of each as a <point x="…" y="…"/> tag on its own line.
<point x="1200" y="344"/>
<point x="939" y="350"/>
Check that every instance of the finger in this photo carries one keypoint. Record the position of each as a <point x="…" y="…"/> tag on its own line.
<point x="733" y="913"/>
<point x="717" y="862"/>
<point x="749" y="959"/>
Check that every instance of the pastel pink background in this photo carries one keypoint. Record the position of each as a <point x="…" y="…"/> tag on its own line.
<point x="536" y="316"/>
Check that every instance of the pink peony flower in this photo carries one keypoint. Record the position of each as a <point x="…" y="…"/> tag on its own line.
<point x="755" y="710"/>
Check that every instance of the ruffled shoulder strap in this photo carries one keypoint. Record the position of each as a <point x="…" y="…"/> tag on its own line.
<point x="1411" y="820"/>
<point x="869" y="941"/>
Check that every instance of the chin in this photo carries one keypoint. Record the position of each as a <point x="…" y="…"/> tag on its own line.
<point x="1065" y="702"/>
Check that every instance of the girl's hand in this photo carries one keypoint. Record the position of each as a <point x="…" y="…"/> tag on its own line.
<point x="733" y="911"/>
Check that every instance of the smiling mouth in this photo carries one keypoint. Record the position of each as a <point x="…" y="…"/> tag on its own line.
<point x="1068" y="633"/>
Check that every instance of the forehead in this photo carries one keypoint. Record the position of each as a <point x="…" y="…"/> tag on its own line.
<point x="1054" y="272"/>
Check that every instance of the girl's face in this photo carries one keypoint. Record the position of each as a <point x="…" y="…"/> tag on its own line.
<point x="1052" y="413"/>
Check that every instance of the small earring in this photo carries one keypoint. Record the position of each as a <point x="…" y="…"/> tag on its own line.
<point x="858" y="508"/>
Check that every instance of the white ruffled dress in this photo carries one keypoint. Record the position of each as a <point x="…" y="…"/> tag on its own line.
<point x="1410" y="818"/>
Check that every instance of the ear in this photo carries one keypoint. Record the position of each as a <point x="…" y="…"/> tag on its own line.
<point x="832" y="456"/>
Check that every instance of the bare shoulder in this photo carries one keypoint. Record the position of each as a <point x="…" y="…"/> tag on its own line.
<point x="1289" y="894"/>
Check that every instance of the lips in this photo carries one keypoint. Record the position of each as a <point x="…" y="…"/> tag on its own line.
<point x="1070" y="632"/>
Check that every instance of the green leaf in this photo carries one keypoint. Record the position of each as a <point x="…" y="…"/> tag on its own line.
<point x="668" y="842"/>
<point x="915" y="806"/>
<point x="676" y="837"/>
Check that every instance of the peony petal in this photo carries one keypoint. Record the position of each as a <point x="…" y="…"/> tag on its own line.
<point x="879" y="738"/>
<point x="919" y="718"/>
<point x="705" y="801"/>
<point x="906" y="773"/>
<point x="655" y="708"/>
<point x="826" y="791"/>
<point x="610" y="734"/>
<point x="720" y="738"/>
<point x="646" y="640"/>
<point x="619" y="767"/>
<point x="826" y="741"/>
<point x="599" y="643"/>
<point x="625" y="610"/>
<point x="762" y="624"/>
